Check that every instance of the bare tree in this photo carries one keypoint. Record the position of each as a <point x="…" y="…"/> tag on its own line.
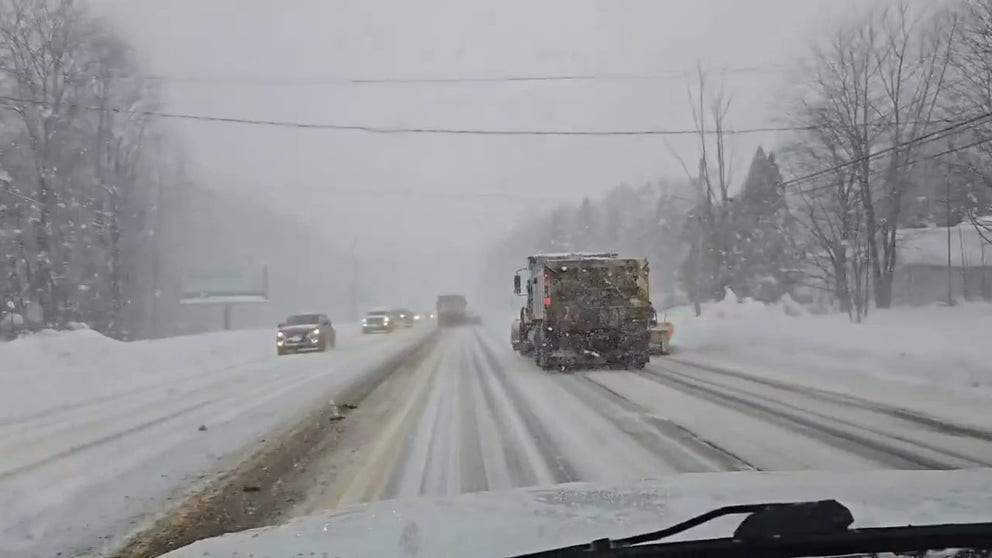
<point x="79" y="133"/>
<point x="912" y="64"/>
<point x="829" y="210"/>
<point x="874" y="93"/>
<point x="709" y="266"/>
<point x="838" y="104"/>
<point x="970" y="96"/>
<point x="40" y="43"/>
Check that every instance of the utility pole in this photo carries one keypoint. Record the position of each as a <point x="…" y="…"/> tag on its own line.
<point x="697" y="271"/>
<point x="153" y="323"/>
<point x="354" y="280"/>
<point x="947" y="217"/>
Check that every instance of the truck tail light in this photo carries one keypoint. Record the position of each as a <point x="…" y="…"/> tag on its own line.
<point x="547" y="301"/>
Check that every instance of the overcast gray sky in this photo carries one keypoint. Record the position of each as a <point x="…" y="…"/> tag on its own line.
<point x="269" y="59"/>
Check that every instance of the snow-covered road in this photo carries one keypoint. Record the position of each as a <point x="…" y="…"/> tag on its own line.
<point x="82" y="469"/>
<point x="475" y="416"/>
<point x="77" y="475"/>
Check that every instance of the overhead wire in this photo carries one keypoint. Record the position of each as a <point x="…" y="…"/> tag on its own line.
<point x="404" y="129"/>
<point x="373" y="129"/>
<point x="957" y="127"/>
<point x="668" y="75"/>
<point x="953" y="127"/>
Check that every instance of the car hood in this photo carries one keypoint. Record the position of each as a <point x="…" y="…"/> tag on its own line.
<point x="525" y="520"/>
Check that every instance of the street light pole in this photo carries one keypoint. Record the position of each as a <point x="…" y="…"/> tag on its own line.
<point x="354" y="280"/>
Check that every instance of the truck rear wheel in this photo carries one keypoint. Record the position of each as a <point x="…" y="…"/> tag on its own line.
<point x="636" y="362"/>
<point x="543" y="359"/>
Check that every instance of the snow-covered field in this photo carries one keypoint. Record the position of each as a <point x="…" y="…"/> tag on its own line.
<point x="946" y="346"/>
<point x="97" y="435"/>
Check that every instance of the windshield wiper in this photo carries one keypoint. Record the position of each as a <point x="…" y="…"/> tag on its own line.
<point x="790" y="529"/>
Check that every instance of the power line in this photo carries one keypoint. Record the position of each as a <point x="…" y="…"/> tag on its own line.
<point x="430" y="130"/>
<point x="518" y="78"/>
<point x="956" y="127"/>
<point x="410" y="130"/>
<point x="909" y="163"/>
<point x="950" y="151"/>
<point x="668" y="75"/>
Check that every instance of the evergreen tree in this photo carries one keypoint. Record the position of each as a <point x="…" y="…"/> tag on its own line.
<point x="763" y="253"/>
<point x="586" y="229"/>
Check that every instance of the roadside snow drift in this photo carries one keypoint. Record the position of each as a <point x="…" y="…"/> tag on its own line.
<point x="97" y="435"/>
<point x="57" y="368"/>
<point x="937" y="345"/>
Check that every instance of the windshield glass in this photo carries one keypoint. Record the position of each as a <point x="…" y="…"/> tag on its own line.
<point x="303" y="319"/>
<point x="647" y="240"/>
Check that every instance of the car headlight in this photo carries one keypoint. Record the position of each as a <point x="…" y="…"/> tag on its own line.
<point x="314" y="333"/>
<point x="416" y="318"/>
<point x="364" y="321"/>
<point x="385" y="320"/>
<point x="280" y="335"/>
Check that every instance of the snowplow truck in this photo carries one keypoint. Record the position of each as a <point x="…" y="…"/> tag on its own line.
<point x="452" y="310"/>
<point x="584" y="309"/>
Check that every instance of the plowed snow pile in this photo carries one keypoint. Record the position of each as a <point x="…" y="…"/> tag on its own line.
<point x="946" y="346"/>
<point x="98" y="436"/>
<point x="54" y="369"/>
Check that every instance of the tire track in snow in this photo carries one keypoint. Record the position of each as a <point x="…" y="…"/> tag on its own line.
<point x="551" y="452"/>
<point x="468" y="433"/>
<point x="201" y="379"/>
<point x="519" y="452"/>
<point x="30" y="450"/>
<point x="473" y="473"/>
<point x="378" y="473"/>
<point x="836" y="418"/>
<point x="842" y="434"/>
<point x="63" y="413"/>
<point x="672" y="442"/>
<point x="938" y="425"/>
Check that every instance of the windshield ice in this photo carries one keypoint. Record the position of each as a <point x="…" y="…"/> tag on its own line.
<point x="644" y="242"/>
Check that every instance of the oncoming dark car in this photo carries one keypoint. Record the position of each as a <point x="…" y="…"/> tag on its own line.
<point x="305" y="332"/>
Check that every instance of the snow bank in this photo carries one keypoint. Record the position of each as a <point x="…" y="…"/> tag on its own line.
<point x="57" y="368"/>
<point x="98" y="436"/>
<point x="947" y="346"/>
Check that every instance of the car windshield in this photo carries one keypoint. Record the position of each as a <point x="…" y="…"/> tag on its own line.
<point x="667" y="256"/>
<point x="303" y="319"/>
